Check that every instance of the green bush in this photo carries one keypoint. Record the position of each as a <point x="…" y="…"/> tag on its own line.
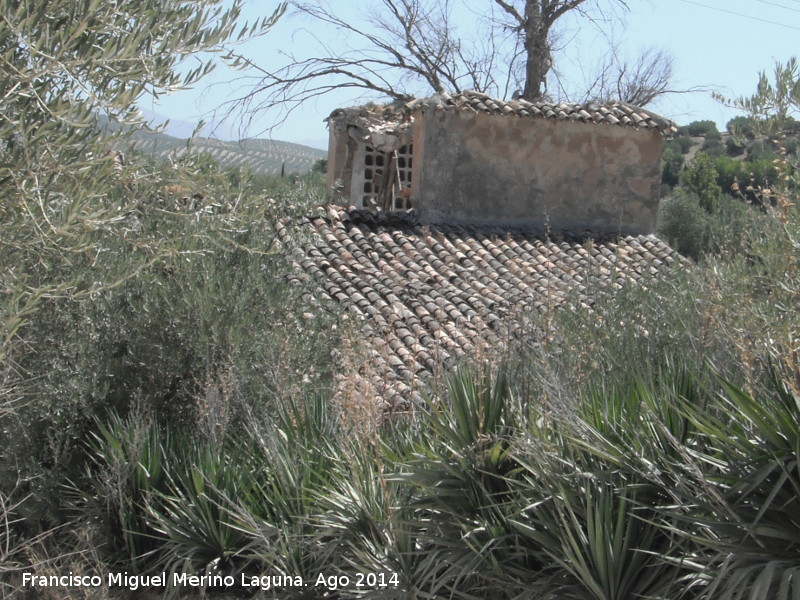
<point x="683" y="222"/>
<point x="680" y="144"/>
<point x="732" y="175"/>
<point x="86" y="250"/>
<point x="791" y="146"/>
<point x="320" y="166"/>
<point x="707" y="129"/>
<point x="700" y="179"/>
<point x="59" y="180"/>
<point x="685" y="142"/>
<point x="757" y="177"/>
<point x="750" y="507"/>
<point x="761" y="150"/>
<point x="791" y="125"/>
<point x="671" y="167"/>
<point x="713" y="147"/>
<point x="735" y="146"/>
<point x="745" y="178"/>
<point x="744" y="127"/>
<point x="173" y="501"/>
<point x="204" y="331"/>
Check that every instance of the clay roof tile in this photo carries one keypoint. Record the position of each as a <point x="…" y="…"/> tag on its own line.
<point x="428" y="313"/>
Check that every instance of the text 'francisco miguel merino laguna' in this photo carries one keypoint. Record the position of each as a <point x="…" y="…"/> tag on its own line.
<point x="134" y="582"/>
<point x="264" y="582"/>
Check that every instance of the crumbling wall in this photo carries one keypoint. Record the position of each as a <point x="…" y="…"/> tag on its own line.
<point x="340" y="167"/>
<point x="370" y="156"/>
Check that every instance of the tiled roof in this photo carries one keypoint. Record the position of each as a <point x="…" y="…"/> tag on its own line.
<point x="613" y="113"/>
<point x="391" y="118"/>
<point x="424" y="296"/>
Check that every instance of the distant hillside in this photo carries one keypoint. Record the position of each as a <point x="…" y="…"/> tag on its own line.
<point x="262" y="156"/>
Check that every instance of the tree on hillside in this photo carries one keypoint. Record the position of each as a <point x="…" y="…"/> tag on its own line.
<point x="403" y="48"/>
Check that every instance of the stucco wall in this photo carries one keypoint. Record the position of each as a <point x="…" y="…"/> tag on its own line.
<point x="340" y="168"/>
<point x="479" y="168"/>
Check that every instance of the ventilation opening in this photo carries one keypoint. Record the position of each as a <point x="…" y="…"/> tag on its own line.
<point x="401" y="196"/>
<point x="372" y="166"/>
<point x="383" y="180"/>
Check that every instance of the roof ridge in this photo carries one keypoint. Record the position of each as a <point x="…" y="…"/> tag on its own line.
<point x="614" y="112"/>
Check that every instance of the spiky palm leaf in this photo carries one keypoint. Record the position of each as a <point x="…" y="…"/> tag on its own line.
<point x="747" y="501"/>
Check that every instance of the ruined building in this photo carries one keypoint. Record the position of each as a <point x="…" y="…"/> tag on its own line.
<point x="473" y="159"/>
<point x="459" y="216"/>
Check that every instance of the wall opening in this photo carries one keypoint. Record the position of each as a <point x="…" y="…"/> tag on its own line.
<point x="404" y="158"/>
<point x="382" y="180"/>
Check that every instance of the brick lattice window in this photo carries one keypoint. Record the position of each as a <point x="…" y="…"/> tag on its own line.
<point x="369" y="177"/>
<point x="401" y="198"/>
<point x="373" y="165"/>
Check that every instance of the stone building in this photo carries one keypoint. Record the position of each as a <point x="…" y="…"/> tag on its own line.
<point x="465" y="216"/>
<point x="469" y="158"/>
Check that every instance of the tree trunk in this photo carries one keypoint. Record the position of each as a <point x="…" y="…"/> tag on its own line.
<point x="537" y="63"/>
<point x="535" y="26"/>
<point x="537" y="49"/>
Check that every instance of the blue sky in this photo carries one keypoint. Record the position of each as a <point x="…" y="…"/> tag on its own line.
<point x="716" y="44"/>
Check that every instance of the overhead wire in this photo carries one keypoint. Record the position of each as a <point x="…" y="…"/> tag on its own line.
<point x="779" y="5"/>
<point x="741" y="14"/>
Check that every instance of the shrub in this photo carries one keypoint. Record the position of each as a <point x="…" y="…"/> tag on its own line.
<point x="712" y="147"/>
<point x="745" y="178"/>
<point x="685" y="142"/>
<point x="680" y="144"/>
<point x="320" y="166"/>
<point x="56" y="163"/>
<point x="791" y="145"/>
<point x="707" y="129"/>
<point x="79" y="238"/>
<point x="590" y="502"/>
<point x="671" y="167"/>
<point x="761" y="150"/>
<point x="734" y="146"/>
<point x="205" y="331"/>
<point x="744" y="127"/>
<point x="791" y="125"/>
<point x="700" y="179"/>
<point x="732" y="175"/>
<point x="747" y="498"/>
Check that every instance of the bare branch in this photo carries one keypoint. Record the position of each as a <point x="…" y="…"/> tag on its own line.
<point x="533" y="23"/>
<point x="639" y="82"/>
<point x="511" y="11"/>
<point x="555" y="9"/>
<point x="401" y="48"/>
<point x="404" y="47"/>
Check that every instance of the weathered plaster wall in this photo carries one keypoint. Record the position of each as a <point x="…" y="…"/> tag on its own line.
<point x="479" y="168"/>
<point x="340" y="168"/>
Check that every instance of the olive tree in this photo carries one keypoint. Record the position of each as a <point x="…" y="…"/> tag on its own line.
<point x="88" y="258"/>
<point x="771" y="107"/>
<point x="66" y="67"/>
